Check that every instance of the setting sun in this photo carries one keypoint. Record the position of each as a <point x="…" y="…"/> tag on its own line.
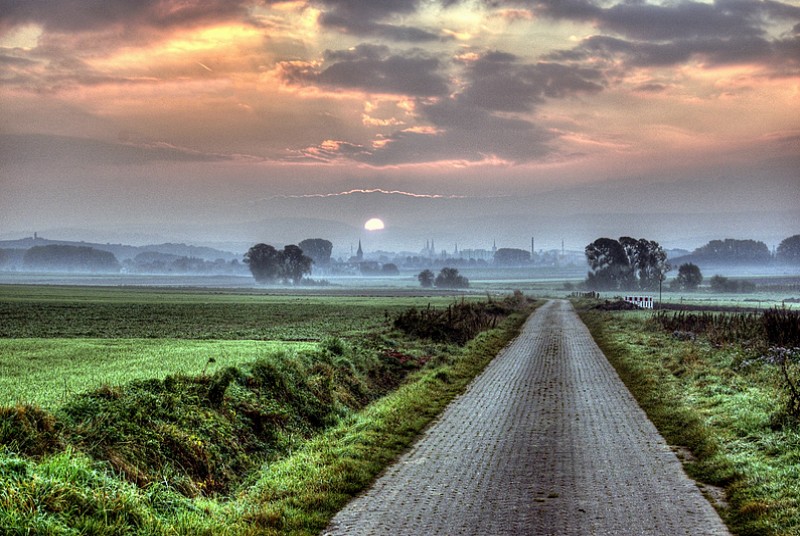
<point x="374" y="224"/>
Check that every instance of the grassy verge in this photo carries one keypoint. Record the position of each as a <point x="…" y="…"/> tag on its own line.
<point x="730" y="415"/>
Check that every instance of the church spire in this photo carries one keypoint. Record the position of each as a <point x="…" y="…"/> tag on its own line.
<point x="359" y="251"/>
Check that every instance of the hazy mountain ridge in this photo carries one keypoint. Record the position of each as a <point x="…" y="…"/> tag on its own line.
<point x="123" y="251"/>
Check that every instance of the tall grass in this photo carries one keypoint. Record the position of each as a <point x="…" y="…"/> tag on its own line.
<point x="713" y="394"/>
<point x="776" y="326"/>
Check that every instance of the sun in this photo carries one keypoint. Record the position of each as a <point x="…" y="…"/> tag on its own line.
<point x="374" y="224"/>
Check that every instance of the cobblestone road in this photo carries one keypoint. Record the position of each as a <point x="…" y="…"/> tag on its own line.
<point x="546" y="441"/>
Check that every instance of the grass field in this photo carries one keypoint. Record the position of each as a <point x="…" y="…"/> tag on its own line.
<point x="46" y="372"/>
<point x="710" y="394"/>
<point x="204" y="411"/>
<point x="57" y="341"/>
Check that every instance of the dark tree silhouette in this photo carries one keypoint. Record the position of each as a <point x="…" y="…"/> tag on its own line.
<point x="789" y="250"/>
<point x="689" y="277"/>
<point x="450" y="278"/>
<point x="731" y="251"/>
<point x="265" y="262"/>
<point x="425" y="278"/>
<point x="318" y="249"/>
<point x="295" y="264"/>
<point x="58" y="257"/>
<point x="609" y="263"/>
<point x="512" y="256"/>
<point x="625" y="264"/>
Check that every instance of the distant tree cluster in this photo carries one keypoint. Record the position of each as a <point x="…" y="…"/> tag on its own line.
<point x="154" y="262"/>
<point x="447" y="278"/>
<point x="732" y="251"/>
<point x="318" y="249"/>
<point x="723" y="284"/>
<point x="625" y="264"/>
<point x="789" y="250"/>
<point x="689" y="277"/>
<point x="269" y="265"/>
<point x="512" y="257"/>
<point x="62" y="258"/>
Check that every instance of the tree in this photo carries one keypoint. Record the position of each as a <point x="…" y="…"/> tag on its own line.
<point x="731" y="251"/>
<point x="265" y="262"/>
<point x="318" y="249"/>
<point x="60" y="257"/>
<point x="789" y="250"/>
<point x="512" y="256"/>
<point x="627" y="263"/>
<point x="649" y="263"/>
<point x="390" y="268"/>
<point x="295" y="264"/>
<point x="425" y="278"/>
<point x="450" y="278"/>
<point x="268" y="265"/>
<point x="689" y="277"/>
<point x="609" y="263"/>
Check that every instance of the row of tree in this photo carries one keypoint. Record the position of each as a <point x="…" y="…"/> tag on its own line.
<point x="750" y="252"/>
<point x="62" y="258"/>
<point x="625" y="264"/>
<point x="269" y="265"/>
<point x="447" y="278"/>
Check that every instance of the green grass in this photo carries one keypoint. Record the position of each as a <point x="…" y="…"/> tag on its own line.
<point x="124" y="313"/>
<point x="732" y="417"/>
<point x="144" y="438"/>
<point x="46" y="372"/>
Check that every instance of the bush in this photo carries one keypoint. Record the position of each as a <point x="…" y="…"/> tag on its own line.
<point x="460" y="322"/>
<point x="723" y="284"/>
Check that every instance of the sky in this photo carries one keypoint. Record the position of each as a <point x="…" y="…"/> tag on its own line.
<point x="464" y="120"/>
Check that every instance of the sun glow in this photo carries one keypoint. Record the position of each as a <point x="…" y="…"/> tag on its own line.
<point x="374" y="224"/>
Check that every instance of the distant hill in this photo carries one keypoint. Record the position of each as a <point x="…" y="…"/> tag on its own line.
<point x="123" y="252"/>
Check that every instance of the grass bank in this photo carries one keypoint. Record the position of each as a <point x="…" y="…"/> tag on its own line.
<point x="714" y="397"/>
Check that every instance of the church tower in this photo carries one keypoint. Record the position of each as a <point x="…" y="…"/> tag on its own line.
<point x="359" y="252"/>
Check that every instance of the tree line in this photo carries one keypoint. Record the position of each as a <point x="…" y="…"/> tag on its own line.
<point x="625" y="264"/>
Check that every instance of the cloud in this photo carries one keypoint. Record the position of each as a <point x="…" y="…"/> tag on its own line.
<point x="378" y="191"/>
<point x="488" y="118"/>
<point x="497" y="81"/>
<point x="92" y="15"/>
<point x="368" y="18"/>
<point x="371" y="68"/>
<point x="680" y="20"/>
<point x="779" y="55"/>
<point x="639" y="34"/>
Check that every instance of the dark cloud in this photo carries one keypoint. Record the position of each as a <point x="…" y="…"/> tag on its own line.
<point x="91" y="15"/>
<point x="781" y="55"/>
<point x="488" y="117"/>
<point x="372" y="68"/>
<point x="372" y="18"/>
<point x="681" y="20"/>
<point x="464" y="132"/>
<point x="498" y="82"/>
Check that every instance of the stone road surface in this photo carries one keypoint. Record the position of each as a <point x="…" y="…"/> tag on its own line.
<point x="546" y="441"/>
